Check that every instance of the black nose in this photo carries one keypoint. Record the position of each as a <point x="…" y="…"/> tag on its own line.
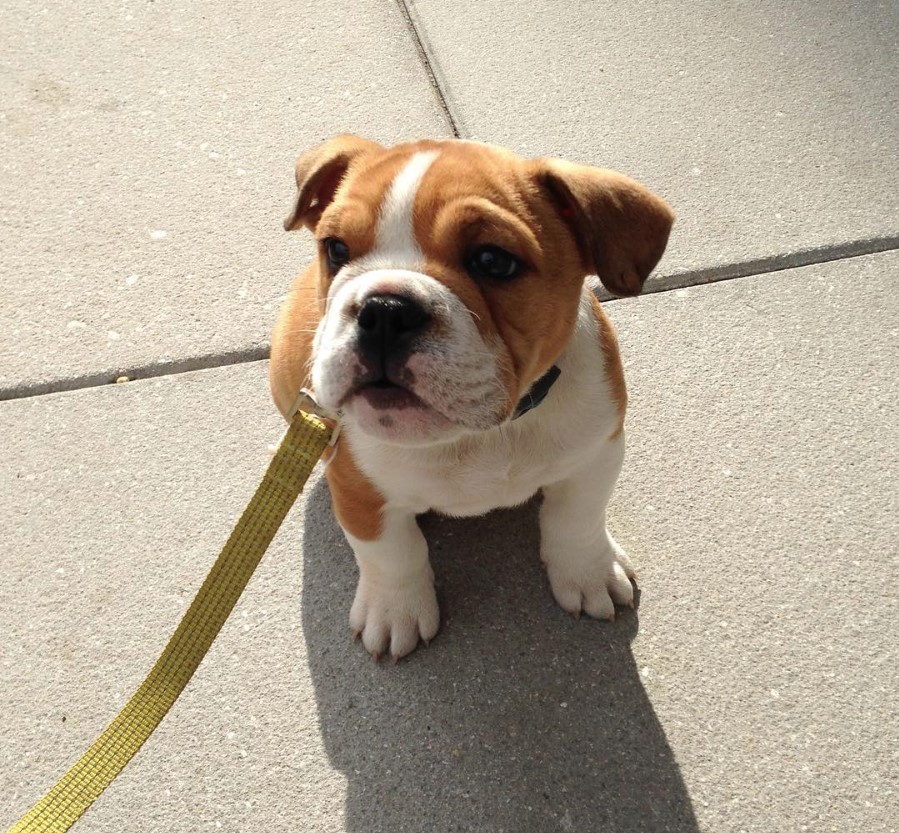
<point x="387" y="324"/>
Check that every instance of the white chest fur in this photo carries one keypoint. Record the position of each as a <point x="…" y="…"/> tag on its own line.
<point x="505" y="465"/>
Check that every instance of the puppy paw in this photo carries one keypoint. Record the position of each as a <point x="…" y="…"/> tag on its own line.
<point x="592" y="582"/>
<point x="393" y="616"/>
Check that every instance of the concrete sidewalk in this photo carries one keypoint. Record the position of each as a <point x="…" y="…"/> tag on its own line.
<point x="756" y="689"/>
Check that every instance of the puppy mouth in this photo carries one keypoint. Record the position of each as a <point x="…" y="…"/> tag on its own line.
<point x="386" y="395"/>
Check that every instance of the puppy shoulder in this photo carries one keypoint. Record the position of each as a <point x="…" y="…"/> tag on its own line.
<point x="611" y="357"/>
<point x="358" y="503"/>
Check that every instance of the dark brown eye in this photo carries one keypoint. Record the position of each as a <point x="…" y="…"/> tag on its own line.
<point x="337" y="252"/>
<point x="494" y="263"/>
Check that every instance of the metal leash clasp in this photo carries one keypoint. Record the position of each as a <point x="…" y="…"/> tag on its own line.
<point x="307" y="403"/>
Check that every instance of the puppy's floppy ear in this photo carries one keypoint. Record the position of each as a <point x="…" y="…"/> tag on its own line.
<point x="319" y="174"/>
<point x="621" y="227"/>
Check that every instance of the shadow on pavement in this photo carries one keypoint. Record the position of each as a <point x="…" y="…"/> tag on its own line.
<point x="517" y="718"/>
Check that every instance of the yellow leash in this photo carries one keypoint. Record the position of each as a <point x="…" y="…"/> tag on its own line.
<point x="304" y="443"/>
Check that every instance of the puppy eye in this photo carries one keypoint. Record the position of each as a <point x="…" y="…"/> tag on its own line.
<point x="494" y="263"/>
<point x="337" y="252"/>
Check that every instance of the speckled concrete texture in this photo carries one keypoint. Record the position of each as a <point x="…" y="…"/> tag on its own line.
<point x="771" y="127"/>
<point x="147" y="155"/>
<point x="754" y="690"/>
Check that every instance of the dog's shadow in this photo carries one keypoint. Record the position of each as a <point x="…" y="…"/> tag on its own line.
<point x="516" y="719"/>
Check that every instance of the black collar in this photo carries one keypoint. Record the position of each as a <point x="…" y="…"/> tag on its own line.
<point x="537" y="392"/>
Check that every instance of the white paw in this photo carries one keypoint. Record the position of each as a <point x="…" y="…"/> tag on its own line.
<point x="591" y="581"/>
<point x="394" y="615"/>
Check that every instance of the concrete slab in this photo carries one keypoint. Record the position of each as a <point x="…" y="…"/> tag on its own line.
<point x="147" y="154"/>
<point x="755" y="691"/>
<point x="772" y="128"/>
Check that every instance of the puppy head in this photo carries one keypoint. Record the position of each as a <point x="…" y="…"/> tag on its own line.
<point x="451" y="274"/>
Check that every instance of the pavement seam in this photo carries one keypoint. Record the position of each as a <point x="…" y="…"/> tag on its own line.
<point x="716" y="274"/>
<point x="769" y="265"/>
<point x="169" y="367"/>
<point x="430" y="66"/>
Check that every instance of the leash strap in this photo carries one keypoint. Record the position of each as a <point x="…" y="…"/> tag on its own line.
<point x="299" y="451"/>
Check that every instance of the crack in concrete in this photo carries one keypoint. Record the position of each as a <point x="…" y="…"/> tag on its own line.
<point x="430" y="67"/>
<point x="172" y="367"/>
<point x="770" y="264"/>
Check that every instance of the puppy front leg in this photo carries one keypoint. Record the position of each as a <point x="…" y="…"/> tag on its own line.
<point x="587" y="569"/>
<point x="395" y="602"/>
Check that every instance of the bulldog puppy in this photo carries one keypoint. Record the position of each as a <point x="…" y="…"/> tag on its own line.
<point x="449" y="321"/>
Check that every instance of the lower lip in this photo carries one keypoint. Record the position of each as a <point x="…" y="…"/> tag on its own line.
<point x="392" y="398"/>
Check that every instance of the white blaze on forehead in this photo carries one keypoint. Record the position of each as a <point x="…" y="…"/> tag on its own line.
<point x="395" y="243"/>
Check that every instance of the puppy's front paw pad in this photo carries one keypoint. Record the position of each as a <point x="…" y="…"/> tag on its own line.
<point x="393" y="617"/>
<point x="592" y="585"/>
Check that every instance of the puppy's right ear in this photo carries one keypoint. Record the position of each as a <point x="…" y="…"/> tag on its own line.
<point x="319" y="174"/>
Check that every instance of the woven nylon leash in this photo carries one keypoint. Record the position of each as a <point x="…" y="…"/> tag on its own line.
<point x="304" y="443"/>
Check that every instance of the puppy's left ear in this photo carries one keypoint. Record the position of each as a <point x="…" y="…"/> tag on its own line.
<point x="621" y="227"/>
<point x="319" y="173"/>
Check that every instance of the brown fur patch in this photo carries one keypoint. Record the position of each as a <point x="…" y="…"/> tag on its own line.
<point x="353" y="222"/>
<point x="608" y="343"/>
<point x="357" y="503"/>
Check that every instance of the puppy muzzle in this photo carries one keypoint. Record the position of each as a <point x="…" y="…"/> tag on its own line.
<point x="402" y="345"/>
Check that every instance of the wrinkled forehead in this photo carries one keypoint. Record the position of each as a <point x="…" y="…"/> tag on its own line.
<point x="437" y="171"/>
<point x="398" y="198"/>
